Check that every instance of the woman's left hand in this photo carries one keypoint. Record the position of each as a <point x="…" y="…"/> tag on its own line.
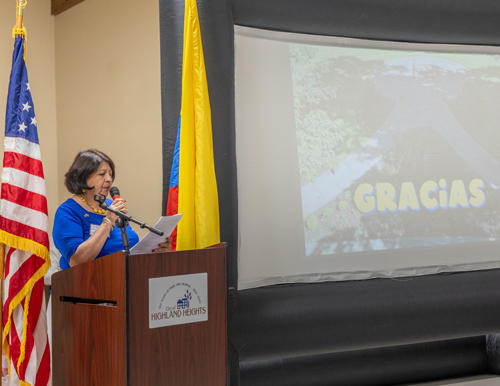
<point x="166" y="246"/>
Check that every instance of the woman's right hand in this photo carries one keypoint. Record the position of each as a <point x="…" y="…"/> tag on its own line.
<point x="118" y="204"/>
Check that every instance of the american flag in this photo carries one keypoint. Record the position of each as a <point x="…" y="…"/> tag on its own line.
<point x="24" y="235"/>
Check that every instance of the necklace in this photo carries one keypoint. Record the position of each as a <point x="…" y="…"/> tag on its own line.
<point x="98" y="211"/>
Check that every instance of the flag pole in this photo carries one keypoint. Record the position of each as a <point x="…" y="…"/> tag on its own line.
<point x="18" y="30"/>
<point x="2" y="272"/>
<point x="20" y="13"/>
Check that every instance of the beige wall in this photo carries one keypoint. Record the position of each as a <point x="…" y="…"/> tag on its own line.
<point x="108" y="95"/>
<point x="41" y="72"/>
<point x="95" y="70"/>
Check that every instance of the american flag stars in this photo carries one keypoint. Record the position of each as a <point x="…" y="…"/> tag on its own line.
<point x="26" y="112"/>
<point x="27" y="106"/>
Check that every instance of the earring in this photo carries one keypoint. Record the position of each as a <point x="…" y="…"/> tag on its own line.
<point x="83" y="190"/>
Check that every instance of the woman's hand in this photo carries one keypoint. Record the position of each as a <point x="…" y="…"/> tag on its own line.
<point x="166" y="246"/>
<point x="118" y="204"/>
<point x="90" y="248"/>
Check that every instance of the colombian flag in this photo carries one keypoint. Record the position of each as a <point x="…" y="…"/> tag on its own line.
<point x="193" y="187"/>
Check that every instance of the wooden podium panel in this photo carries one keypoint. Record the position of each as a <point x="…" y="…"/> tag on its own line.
<point x="86" y="336"/>
<point x="189" y="352"/>
<point x="101" y="334"/>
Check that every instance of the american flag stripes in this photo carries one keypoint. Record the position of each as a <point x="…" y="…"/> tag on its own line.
<point x="24" y="235"/>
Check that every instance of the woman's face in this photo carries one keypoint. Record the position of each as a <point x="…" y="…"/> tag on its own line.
<point x="101" y="180"/>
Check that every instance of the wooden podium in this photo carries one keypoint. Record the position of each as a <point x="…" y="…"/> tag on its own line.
<point x="100" y="323"/>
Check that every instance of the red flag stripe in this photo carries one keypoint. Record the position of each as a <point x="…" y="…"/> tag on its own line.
<point x="15" y="259"/>
<point x="23" y="163"/>
<point x="23" y="274"/>
<point x="24" y="197"/>
<point x="7" y="262"/>
<point x="34" y="306"/>
<point x="42" y="376"/>
<point x="173" y="201"/>
<point x="174" y="239"/>
<point x="25" y="231"/>
<point x="19" y="279"/>
<point x="15" y="343"/>
<point x="172" y="209"/>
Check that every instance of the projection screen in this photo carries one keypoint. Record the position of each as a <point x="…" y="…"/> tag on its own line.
<point x="359" y="159"/>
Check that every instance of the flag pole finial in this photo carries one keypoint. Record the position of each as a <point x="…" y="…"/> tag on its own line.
<point x="19" y="28"/>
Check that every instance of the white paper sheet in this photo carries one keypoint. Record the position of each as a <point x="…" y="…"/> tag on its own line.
<point x="166" y="224"/>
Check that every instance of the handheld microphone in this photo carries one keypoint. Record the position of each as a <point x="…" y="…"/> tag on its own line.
<point x="114" y="192"/>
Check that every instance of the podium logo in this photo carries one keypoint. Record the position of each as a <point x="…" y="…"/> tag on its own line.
<point x="177" y="300"/>
<point x="184" y="302"/>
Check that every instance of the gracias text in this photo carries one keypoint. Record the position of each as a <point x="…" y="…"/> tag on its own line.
<point x="432" y="195"/>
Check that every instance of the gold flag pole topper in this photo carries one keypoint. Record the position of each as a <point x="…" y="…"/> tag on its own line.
<point x="19" y="29"/>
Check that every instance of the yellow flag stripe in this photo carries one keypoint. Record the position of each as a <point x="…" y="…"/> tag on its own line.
<point x="198" y="197"/>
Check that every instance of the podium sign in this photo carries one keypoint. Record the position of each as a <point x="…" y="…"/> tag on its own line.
<point x="178" y="300"/>
<point x="152" y="319"/>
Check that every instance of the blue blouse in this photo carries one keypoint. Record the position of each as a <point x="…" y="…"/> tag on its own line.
<point x="73" y="225"/>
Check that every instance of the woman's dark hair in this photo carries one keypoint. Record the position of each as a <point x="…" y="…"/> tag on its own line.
<point x="85" y="164"/>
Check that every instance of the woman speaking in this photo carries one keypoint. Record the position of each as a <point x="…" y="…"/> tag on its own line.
<point x="82" y="231"/>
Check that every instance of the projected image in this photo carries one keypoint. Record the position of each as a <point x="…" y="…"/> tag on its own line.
<point x="396" y="149"/>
